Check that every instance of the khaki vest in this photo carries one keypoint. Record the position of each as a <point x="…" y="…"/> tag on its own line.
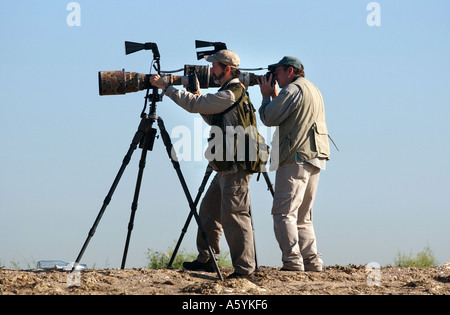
<point x="304" y="135"/>
<point x="247" y="147"/>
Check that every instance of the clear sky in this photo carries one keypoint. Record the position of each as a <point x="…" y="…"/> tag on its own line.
<point x="386" y="92"/>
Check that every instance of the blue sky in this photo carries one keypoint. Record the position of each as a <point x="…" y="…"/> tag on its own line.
<point x="386" y="92"/>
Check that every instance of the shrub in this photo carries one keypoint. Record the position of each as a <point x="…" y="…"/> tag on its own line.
<point x="160" y="260"/>
<point x="424" y="258"/>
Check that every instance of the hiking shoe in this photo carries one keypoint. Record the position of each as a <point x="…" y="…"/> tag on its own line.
<point x="313" y="268"/>
<point x="314" y="264"/>
<point x="235" y="275"/>
<point x="198" y="266"/>
<point x="286" y="269"/>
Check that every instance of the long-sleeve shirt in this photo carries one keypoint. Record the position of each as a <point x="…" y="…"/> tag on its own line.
<point x="208" y="105"/>
<point x="202" y="104"/>
<point x="274" y="112"/>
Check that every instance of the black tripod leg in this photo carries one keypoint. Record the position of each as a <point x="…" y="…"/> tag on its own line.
<point x="148" y="138"/>
<point x="208" y="172"/>
<point x="254" y="240"/>
<point x="137" y="138"/>
<point x="169" y="147"/>
<point x="269" y="187"/>
<point x="269" y="183"/>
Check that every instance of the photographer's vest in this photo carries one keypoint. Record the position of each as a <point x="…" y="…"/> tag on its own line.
<point x="240" y="143"/>
<point x="303" y="135"/>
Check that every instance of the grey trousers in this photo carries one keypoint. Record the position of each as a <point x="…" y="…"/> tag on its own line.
<point x="295" y="191"/>
<point x="226" y="206"/>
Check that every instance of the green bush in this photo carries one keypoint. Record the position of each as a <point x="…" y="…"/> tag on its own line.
<point x="160" y="260"/>
<point x="424" y="258"/>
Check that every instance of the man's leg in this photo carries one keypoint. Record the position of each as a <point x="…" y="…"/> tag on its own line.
<point x="210" y="217"/>
<point x="290" y="186"/>
<point x="236" y="221"/>
<point x="306" y="235"/>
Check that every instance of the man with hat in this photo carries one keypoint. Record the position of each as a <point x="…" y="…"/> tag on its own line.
<point x="298" y="112"/>
<point x="226" y="204"/>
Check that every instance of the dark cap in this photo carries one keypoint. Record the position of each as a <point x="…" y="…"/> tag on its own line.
<point x="287" y="61"/>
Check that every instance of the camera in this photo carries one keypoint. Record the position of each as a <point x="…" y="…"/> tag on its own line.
<point x="268" y="74"/>
<point x="123" y="82"/>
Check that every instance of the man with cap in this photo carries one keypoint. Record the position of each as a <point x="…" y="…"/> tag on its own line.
<point x="226" y="204"/>
<point x="299" y="114"/>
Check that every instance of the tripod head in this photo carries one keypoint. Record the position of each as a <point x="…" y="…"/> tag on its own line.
<point x="202" y="44"/>
<point x="132" y="47"/>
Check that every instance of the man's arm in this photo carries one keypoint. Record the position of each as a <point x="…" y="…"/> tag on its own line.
<point x="203" y="104"/>
<point x="196" y="102"/>
<point x="273" y="113"/>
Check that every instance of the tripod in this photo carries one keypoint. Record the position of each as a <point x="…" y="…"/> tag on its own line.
<point x="145" y="137"/>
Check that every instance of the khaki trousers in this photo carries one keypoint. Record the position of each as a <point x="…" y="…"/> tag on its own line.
<point x="226" y="206"/>
<point x="295" y="190"/>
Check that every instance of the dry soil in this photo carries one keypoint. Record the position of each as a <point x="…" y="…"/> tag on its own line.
<point x="334" y="280"/>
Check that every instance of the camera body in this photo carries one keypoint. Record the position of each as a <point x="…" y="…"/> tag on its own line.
<point x="268" y="74"/>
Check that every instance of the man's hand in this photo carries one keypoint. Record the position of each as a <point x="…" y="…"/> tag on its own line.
<point x="157" y="81"/>
<point x="197" y="86"/>
<point x="267" y="89"/>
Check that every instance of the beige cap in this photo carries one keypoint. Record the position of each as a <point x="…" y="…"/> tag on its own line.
<point x="227" y="57"/>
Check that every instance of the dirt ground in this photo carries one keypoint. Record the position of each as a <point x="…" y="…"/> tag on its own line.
<point x="335" y="280"/>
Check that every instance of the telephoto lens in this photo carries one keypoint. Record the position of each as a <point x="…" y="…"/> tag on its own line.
<point x="121" y="82"/>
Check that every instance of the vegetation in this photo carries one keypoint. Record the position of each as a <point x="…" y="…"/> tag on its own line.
<point x="425" y="258"/>
<point x="160" y="260"/>
<point x="16" y="265"/>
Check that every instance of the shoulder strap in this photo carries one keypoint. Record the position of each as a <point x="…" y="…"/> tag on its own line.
<point x="236" y="103"/>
